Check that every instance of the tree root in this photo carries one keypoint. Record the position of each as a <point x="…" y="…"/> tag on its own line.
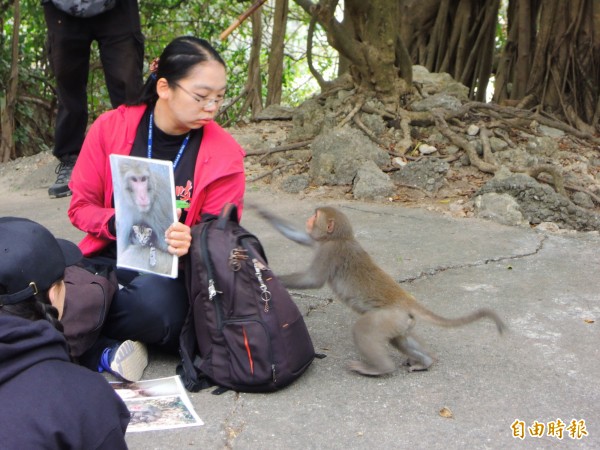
<point x="488" y="156"/>
<point x="282" y="148"/>
<point x="359" y="123"/>
<point x="498" y="121"/>
<point x="461" y="142"/>
<point x="526" y="115"/>
<point x="488" y="164"/>
<point x="360" y="101"/>
<point x="271" y="172"/>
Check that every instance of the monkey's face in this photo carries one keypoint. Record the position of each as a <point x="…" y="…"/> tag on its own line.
<point x="319" y="226"/>
<point x="310" y="223"/>
<point x="137" y="184"/>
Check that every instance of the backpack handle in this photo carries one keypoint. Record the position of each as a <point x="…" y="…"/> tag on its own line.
<point x="229" y="212"/>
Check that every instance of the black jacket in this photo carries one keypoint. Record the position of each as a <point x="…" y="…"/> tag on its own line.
<point x="47" y="402"/>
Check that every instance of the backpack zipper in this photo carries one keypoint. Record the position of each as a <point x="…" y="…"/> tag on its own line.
<point x="212" y="287"/>
<point x="257" y="320"/>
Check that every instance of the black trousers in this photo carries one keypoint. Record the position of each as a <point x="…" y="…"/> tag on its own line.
<point x="148" y="308"/>
<point x="121" y="44"/>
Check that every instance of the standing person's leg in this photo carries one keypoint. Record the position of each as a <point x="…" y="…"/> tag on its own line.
<point x="69" y="43"/>
<point x="121" y="45"/>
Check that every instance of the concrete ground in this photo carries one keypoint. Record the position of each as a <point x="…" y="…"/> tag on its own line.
<point x="544" y="370"/>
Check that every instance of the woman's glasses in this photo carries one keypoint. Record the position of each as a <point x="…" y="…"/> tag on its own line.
<point x="203" y="102"/>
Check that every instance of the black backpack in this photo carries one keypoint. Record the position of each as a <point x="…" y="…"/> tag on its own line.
<point x="243" y="330"/>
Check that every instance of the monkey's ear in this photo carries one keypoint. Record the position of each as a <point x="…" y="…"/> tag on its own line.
<point x="330" y="225"/>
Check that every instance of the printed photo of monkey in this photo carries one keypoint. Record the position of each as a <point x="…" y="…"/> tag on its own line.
<point x="144" y="193"/>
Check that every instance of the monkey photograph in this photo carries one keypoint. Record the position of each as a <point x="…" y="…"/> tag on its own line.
<point x="387" y="313"/>
<point x="144" y="196"/>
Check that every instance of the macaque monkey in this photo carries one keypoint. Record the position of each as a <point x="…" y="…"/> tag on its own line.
<point x="146" y="211"/>
<point x="387" y="312"/>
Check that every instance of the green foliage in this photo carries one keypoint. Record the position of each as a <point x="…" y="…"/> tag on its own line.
<point x="35" y="94"/>
<point x="161" y="22"/>
<point x="501" y="28"/>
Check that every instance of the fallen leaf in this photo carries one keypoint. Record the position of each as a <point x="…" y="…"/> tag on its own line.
<point x="445" y="412"/>
<point x="589" y="320"/>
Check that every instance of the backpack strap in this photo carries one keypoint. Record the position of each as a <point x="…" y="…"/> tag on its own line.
<point x="191" y="379"/>
<point x="229" y="212"/>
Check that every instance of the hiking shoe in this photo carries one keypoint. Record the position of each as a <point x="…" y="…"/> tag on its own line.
<point x="63" y="171"/>
<point x="126" y="360"/>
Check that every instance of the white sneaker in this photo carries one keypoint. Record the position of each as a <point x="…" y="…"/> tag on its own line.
<point x="129" y="360"/>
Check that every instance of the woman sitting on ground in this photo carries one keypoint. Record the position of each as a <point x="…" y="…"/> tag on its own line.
<point x="174" y="120"/>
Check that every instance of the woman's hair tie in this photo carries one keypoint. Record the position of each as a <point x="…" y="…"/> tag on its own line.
<point x="154" y="67"/>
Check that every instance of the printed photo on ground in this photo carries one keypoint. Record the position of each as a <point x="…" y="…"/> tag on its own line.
<point x="157" y="404"/>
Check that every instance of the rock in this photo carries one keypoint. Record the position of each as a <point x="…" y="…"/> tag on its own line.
<point x="502" y="173"/>
<point x="375" y="123"/>
<point x="428" y="174"/>
<point x="501" y="208"/>
<point x="399" y="162"/>
<point x="540" y="203"/>
<point x="249" y="141"/>
<point x="497" y="144"/>
<point x="543" y="146"/>
<point x="294" y="184"/>
<point x="339" y="153"/>
<point x="371" y="183"/>
<point x="442" y="100"/>
<point x="582" y="199"/>
<point x="436" y="138"/>
<point x="308" y="120"/>
<point x="452" y="149"/>
<point x="548" y="226"/>
<point x="275" y="112"/>
<point x="473" y="130"/>
<point x="426" y="149"/>
<point x="433" y="83"/>
<point x="516" y="157"/>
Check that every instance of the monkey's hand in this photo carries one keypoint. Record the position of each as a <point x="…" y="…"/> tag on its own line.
<point x="178" y="238"/>
<point x="288" y="230"/>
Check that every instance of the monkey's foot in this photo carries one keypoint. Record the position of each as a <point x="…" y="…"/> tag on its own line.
<point x="415" y="366"/>
<point x="364" y="369"/>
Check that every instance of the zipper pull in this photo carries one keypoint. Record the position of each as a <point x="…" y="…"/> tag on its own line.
<point x="265" y="294"/>
<point x="212" y="292"/>
<point x="273" y="370"/>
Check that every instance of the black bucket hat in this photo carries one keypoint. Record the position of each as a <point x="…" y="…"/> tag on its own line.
<point x="31" y="258"/>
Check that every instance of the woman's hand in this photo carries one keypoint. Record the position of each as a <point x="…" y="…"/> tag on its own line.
<point x="179" y="238"/>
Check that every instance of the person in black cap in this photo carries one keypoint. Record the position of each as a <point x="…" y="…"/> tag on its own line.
<point x="46" y="401"/>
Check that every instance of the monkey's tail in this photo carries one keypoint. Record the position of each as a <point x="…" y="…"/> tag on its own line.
<point x="483" y="313"/>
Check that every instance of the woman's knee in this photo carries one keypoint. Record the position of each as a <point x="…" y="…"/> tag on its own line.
<point x="151" y="309"/>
